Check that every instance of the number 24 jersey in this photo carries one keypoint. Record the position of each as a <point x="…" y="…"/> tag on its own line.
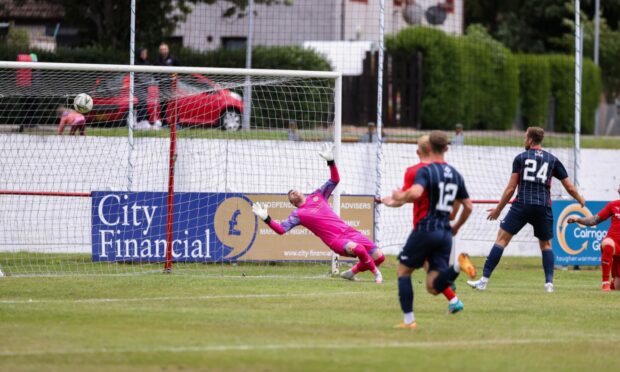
<point x="536" y="168"/>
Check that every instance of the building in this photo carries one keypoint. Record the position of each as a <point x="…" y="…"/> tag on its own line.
<point x="42" y="20"/>
<point x="312" y="20"/>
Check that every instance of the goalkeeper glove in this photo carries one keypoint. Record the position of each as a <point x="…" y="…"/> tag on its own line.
<point x="327" y="153"/>
<point x="261" y="212"/>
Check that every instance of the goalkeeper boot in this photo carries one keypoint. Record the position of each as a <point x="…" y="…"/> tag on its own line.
<point x="466" y="265"/>
<point x="378" y="277"/>
<point x="455" y="307"/>
<point x="480" y="284"/>
<point x="606" y="287"/>
<point x="348" y="275"/>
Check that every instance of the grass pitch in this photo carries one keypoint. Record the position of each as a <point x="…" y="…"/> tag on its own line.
<point x="194" y="322"/>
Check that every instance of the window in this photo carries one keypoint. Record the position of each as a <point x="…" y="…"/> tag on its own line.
<point x="234" y="43"/>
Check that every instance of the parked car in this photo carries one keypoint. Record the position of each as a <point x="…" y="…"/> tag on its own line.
<point x="197" y="101"/>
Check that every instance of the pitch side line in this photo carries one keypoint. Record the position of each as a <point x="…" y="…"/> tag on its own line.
<point x="181" y="298"/>
<point x="327" y="346"/>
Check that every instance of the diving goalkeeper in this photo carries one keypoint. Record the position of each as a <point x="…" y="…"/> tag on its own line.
<point x="314" y="213"/>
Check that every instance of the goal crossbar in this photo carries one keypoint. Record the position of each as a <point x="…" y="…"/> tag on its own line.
<point x="169" y="69"/>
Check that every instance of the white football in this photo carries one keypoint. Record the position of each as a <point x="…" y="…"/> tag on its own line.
<point x="83" y="103"/>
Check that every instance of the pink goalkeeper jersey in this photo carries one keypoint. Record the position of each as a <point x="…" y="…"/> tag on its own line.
<point x="317" y="215"/>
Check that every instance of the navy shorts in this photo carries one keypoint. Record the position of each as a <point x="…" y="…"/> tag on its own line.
<point x="540" y="217"/>
<point x="434" y="246"/>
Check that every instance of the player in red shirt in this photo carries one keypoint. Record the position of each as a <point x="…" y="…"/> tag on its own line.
<point x="420" y="208"/>
<point x="610" y="247"/>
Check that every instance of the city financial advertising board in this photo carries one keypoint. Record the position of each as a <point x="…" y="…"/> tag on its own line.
<point x="575" y="244"/>
<point x="209" y="227"/>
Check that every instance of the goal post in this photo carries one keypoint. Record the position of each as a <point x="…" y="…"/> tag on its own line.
<point x="69" y="204"/>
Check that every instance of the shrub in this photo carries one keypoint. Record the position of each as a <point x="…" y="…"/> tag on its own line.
<point x="535" y="88"/>
<point x="562" y="69"/>
<point x="472" y="79"/>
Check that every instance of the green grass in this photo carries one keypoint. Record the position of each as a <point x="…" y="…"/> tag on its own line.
<point x="193" y="322"/>
<point x="211" y="133"/>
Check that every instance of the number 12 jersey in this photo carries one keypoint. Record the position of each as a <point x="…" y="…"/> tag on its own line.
<point x="443" y="185"/>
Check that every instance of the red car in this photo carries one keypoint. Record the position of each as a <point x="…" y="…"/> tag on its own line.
<point x="197" y="101"/>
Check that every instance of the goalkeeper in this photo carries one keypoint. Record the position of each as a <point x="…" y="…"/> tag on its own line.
<point x="314" y="213"/>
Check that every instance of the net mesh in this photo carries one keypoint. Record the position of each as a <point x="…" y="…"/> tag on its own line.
<point x="436" y="74"/>
<point x="97" y="201"/>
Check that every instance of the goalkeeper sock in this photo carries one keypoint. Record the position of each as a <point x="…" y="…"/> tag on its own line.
<point x="361" y="253"/>
<point x="379" y="261"/>
<point x="359" y="268"/>
<point x="492" y="260"/>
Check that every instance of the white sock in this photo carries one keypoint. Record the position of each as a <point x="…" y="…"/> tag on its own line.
<point x="409" y="318"/>
<point x="484" y="279"/>
<point x="456" y="266"/>
<point x="453" y="300"/>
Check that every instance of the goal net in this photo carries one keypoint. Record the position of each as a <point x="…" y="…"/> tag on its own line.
<point x="486" y="165"/>
<point x="166" y="179"/>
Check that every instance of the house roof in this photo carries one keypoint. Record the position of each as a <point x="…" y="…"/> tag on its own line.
<point x="30" y="9"/>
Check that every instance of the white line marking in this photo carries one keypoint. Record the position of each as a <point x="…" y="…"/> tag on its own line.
<point x="467" y="344"/>
<point x="181" y="298"/>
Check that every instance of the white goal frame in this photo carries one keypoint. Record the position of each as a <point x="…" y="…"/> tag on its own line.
<point x="336" y="76"/>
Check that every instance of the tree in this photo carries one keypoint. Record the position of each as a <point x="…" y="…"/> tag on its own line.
<point x="610" y="8"/>
<point x="609" y="50"/>
<point x="18" y="38"/>
<point x="106" y="22"/>
<point x="239" y="8"/>
<point x="522" y="25"/>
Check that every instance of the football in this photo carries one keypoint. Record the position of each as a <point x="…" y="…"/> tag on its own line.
<point x="83" y="103"/>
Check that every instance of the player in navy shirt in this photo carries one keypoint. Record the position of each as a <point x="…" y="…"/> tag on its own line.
<point x="532" y="171"/>
<point x="431" y="239"/>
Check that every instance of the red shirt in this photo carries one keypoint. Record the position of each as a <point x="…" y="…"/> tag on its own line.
<point x="612" y="209"/>
<point x="420" y="206"/>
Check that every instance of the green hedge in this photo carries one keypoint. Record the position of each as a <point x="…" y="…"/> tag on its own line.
<point x="442" y="103"/>
<point x="590" y="95"/>
<point x="279" y="57"/>
<point x="475" y="80"/>
<point x="462" y="78"/>
<point x="495" y="74"/>
<point x="69" y="55"/>
<point x="562" y="69"/>
<point x="535" y="88"/>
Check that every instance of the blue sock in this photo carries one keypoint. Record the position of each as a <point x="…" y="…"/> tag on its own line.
<point x="492" y="260"/>
<point x="548" y="260"/>
<point x="445" y="279"/>
<point x="405" y="294"/>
